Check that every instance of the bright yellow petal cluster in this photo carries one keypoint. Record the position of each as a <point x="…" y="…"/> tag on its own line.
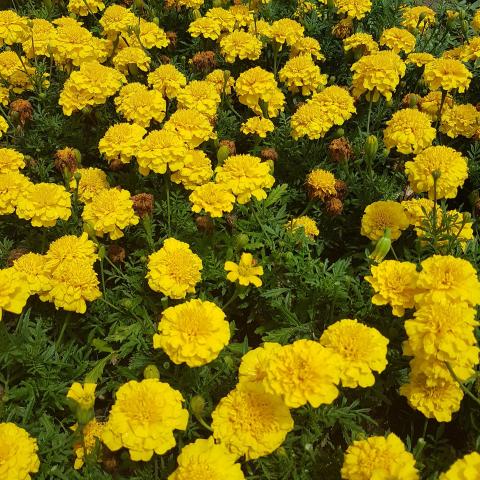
<point x="143" y="419"/>
<point x="251" y="422"/>
<point x="447" y="74"/>
<point x="308" y="120"/>
<point x="129" y="57"/>
<point x="193" y="332"/>
<point x="448" y="164"/>
<point x="286" y="31"/>
<point x="205" y="27"/>
<point x="84" y="7"/>
<point x="419" y="17"/>
<point x="300" y="74"/>
<point x="242" y="15"/>
<point x="150" y="34"/>
<point x="417" y="209"/>
<point x="465" y="468"/>
<point x="92" y="181"/>
<point x="167" y="80"/>
<point x="354" y="8"/>
<point x="409" y="131"/>
<point x="13" y="28"/>
<point x="70" y="247"/>
<point x="117" y="19"/>
<point x="214" y="198"/>
<point x="221" y="80"/>
<point x="304" y="223"/>
<point x="199" y="95"/>
<point x="306" y="46"/>
<point x="91" y="436"/>
<point x="174" y="270"/>
<point x="430" y="104"/>
<point x="34" y="267"/>
<point x="191" y="126"/>
<point x="381" y="215"/>
<point x="39" y="38"/>
<point x="14" y="292"/>
<point x="360" y="42"/>
<point x="240" y="44"/>
<point x="461" y="120"/>
<point x="16" y="71"/>
<point x="398" y="40"/>
<point x="110" y="212"/>
<point x="379" y="458"/>
<point x="252" y="368"/>
<point x="18" y="453"/>
<point x="83" y="395"/>
<point x="257" y="126"/>
<point x="321" y="184"/>
<point x="419" y="59"/>
<point x="197" y="170"/>
<point x="12" y="185"/>
<point x="11" y="160"/>
<point x="224" y="18"/>
<point x="121" y="142"/>
<point x="245" y="272"/>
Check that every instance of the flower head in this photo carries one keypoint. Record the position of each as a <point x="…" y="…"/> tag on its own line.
<point x="13" y="28"/>
<point x="306" y="46"/>
<point x="286" y="31"/>
<point x="191" y="126"/>
<point x="34" y="267"/>
<point x="85" y="7"/>
<point x="83" y="395"/>
<point x="70" y="247"/>
<point x="245" y="272"/>
<point x="12" y="185"/>
<point x="304" y="223"/>
<point x="14" y="291"/>
<point x="430" y="104"/>
<point x="460" y="120"/>
<point x="131" y="56"/>
<point x="117" y="19"/>
<point x="417" y="209"/>
<point x="193" y="332"/>
<point x="199" y="95"/>
<point x="167" y="80"/>
<point x="240" y="44"/>
<point x="447" y="74"/>
<point x="197" y="170"/>
<point x="321" y="184"/>
<point x="252" y="368"/>
<point x="464" y="468"/>
<point x="398" y="40"/>
<point x="419" y="59"/>
<point x="354" y="8"/>
<point x="150" y="35"/>
<point x="92" y="181"/>
<point x="214" y="198"/>
<point x="11" y="160"/>
<point x="91" y="434"/>
<point x="205" y="27"/>
<point x="360" y="42"/>
<point x="300" y="74"/>
<point x="381" y="215"/>
<point x="121" y="142"/>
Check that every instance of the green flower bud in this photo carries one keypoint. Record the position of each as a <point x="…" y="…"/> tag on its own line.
<point x="196" y="14"/>
<point x="271" y="166"/>
<point x="339" y="132"/>
<point x="240" y="241"/>
<point x="156" y="20"/>
<point x="222" y="154"/>
<point x="139" y="4"/>
<point x="197" y="404"/>
<point x="151" y="371"/>
<point x="382" y="247"/>
<point x="101" y="252"/>
<point x="84" y="416"/>
<point x="371" y="147"/>
<point x="78" y="156"/>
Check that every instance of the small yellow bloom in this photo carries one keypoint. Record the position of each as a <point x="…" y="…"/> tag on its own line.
<point x="244" y="272"/>
<point x="83" y="395"/>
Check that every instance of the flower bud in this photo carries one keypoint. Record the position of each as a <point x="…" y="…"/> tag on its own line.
<point x="197" y="404"/>
<point x="271" y="165"/>
<point x="222" y="154"/>
<point x="156" y="21"/>
<point x="101" y="252"/>
<point x="139" y="4"/>
<point x="371" y="147"/>
<point x="382" y="247"/>
<point x="241" y="241"/>
<point x="339" y="132"/>
<point x="151" y="371"/>
<point x="196" y="14"/>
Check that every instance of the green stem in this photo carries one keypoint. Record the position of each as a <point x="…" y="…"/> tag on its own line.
<point x="276" y="49"/>
<point x="440" y="108"/>
<point x="369" y="111"/>
<point x="102" y="274"/>
<point x="232" y="298"/>
<point x="461" y="385"/>
<point x="62" y="331"/>
<point x="167" y="191"/>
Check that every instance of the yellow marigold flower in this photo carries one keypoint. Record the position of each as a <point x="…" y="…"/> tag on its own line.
<point x="418" y="17"/>
<point x="91" y="436"/>
<point x="377" y="74"/>
<point x="73" y="283"/>
<point x="360" y="42"/>
<point x="193" y="332"/>
<point x="309" y="120"/>
<point x="398" y="40"/>
<point x="257" y="126"/>
<point x="84" y="7"/>
<point x="476" y="20"/>
<point x="215" y="199"/>
<point x="445" y="162"/>
<point x="143" y="419"/>
<point x="34" y="267"/>
<point x="245" y="272"/>
<point x="70" y="247"/>
<point x="4" y="96"/>
<point x="167" y="80"/>
<point x="240" y="44"/>
<point x="307" y="46"/>
<point x="12" y="185"/>
<point x="262" y="28"/>
<point x="83" y="395"/>
<point x="3" y="126"/>
<point x="470" y="51"/>
<point x="245" y="176"/>
<point x="92" y="181"/>
<point x="436" y="398"/>
<point x="89" y="86"/>
<point x="139" y="105"/>
<point x="320" y="184"/>
<point x="381" y="215"/>
<point x="161" y="149"/>
<point x="191" y="126"/>
<point x="409" y="131"/>
<point x="150" y="34"/>
<point x="444" y="332"/>
<point x="201" y="96"/>
<point x="465" y="468"/>
<point x="461" y="120"/>
<point x="286" y="31"/>
<point x="221" y="80"/>
<point x="223" y="17"/>
<point x="117" y="19"/>
<point x="242" y="15"/>
<point x="395" y="284"/>
<point x="417" y="210"/>
<point x="13" y="28"/>
<point x="447" y="74"/>
<point x="16" y="71"/>
<point x="121" y="142"/>
<point x="362" y="350"/>
<point x="11" y="160"/>
<point x="43" y="204"/>
<point x="252" y="368"/>
<point x="14" y="292"/>
<point x="336" y="103"/>
<point x="18" y="453"/>
<point x="174" y="270"/>
<point x="447" y="279"/>
<point x="303" y="372"/>
<point x="206" y="459"/>
<point x="251" y="422"/>
<point x="354" y="8"/>
<point x="205" y="27"/>
<point x="308" y="225"/>
<point x="131" y="56"/>
<point x="430" y="104"/>
<point x="109" y="212"/>
<point x="419" y="59"/>
<point x="256" y="85"/>
<point x="38" y="41"/>
<point x="379" y="457"/>
<point x="301" y="74"/>
<point x="197" y="170"/>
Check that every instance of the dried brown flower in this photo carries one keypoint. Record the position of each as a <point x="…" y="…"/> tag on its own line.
<point x="143" y="204"/>
<point x="340" y="150"/>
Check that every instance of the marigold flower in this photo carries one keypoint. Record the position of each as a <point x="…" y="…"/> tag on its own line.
<point x="16" y="71"/>
<point x="43" y="204"/>
<point x="193" y="332"/>
<point x="379" y="457"/>
<point x="206" y="459"/>
<point x="39" y="38"/>
<point x="222" y="17"/>
<point x="193" y="127"/>
<point x="257" y="126"/>
<point x="417" y="209"/>
<point x="449" y="166"/>
<point x="121" y="142"/>
<point x="11" y="160"/>
<point x="161" y="149"/>
<point x="84" y="7"/>
<point x="304" y="223"/>
<point x="137" y="104"/>
<point x="409" y="131"/>
<point x="215" y="199"/>
<point x="221" y="80"/>
<point x="197" y="170"/>
<point x="395" y="284"/>
<point x="303" y="372"/>
<point x="240" y="44"/>
<point x="199" y="95"/>
<point x="320" y="184"/>
<point x="174" y="270"/>
<point x="361" y="349"/>
<point x="251" y="422"/>
<point x="143" y="419"/>
<point x="110" y="212"/>
<point x="398" y="40"/>
<point x="360" y="42"/>
<point x="13" y="28"/>
<point x="430" y="104"/>
<point x="70" y="247"/>
<point x="12" y="185"/>
<point x="252" y="368"/>
<point x="286" y="31"/>
<point x="301" y="74"/>
<point x="83" y="395"/>
<point x="18" y="453"/>
<point x="167" y="80"/>
<point x="377" y="74"/>
<point x="245" y="176"/>
<point x="354" y="8"/>
<point x="131" y="56"/>
<point x="150" y="35"/>
<point x="246" y="272"/>
<point x="419" y="17"/>
<point x="14" y="292"/>
<point x="34" y="267"/>
<point x="464" y="468"/>
<point x="419" y="59"/>
<point x="205" y="27"/>
<point x="381" y="215"/>
<point x="309" y="120"/>
<point x="91" y="436"/>
<point x="460" y="120"/>
<point x="307" y="46"/>
<point x="92" y="181"/>
<point x="242" y="15"/>
<point x="447" y="74"/>
<point x="117" y="19"/>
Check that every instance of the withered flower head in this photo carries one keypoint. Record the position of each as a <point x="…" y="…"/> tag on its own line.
<point x="204" y="61"/>
<point x="343" y="29"/>
<point x="67" y="159"/>
<point x="172" y="38"/>
<point x="116" y="253"/>
<point x="204" y="223"/>
<point x="340" y="150"/>
<point x="341" y="188"/>
<point x="143" y="204"/>
<point x="231" y="146"/>
<point x="269" y="154"/>
<point x="334" y="206"/>
<point x="21" y="111"/>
